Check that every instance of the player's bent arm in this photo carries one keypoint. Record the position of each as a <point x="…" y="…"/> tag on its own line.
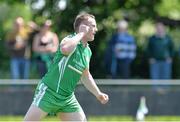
<point x="90" y="84"/>
<point x="67" y="45"/>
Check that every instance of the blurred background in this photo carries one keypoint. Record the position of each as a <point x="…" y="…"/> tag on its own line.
<point x="137" y="42"/>
<point x="140" y="14"/>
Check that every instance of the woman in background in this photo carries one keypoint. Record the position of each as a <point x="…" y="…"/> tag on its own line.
<point x="17" y="45"/>
<point x="45" y="44"/>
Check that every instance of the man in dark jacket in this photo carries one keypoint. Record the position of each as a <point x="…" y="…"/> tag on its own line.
<point x="160" y="52"/>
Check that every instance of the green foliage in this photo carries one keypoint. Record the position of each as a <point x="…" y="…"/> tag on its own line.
<point x="169" y="8"/>
<point x="13" y="11"/>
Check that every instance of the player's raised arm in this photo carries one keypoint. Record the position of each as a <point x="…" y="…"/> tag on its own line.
<point x="69" y="44"/>
<point x="90" y="84"/>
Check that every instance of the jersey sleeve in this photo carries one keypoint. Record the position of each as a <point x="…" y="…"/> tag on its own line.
<point x="65" y="38"/>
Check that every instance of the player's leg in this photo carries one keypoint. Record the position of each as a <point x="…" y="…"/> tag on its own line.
<point x="70" y="110"/>
<point x="34" y="114"/>
<point x="75" y="116"/>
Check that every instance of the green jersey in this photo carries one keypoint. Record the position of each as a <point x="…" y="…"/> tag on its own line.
<point x="65" y="71"/>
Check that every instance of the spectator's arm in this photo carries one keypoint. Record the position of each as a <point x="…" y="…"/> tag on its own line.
<point x="171" y="47"/>
<point x="37" y="47"/>
<point x="149" y="48"/>
<point x="53" y="48"/>
<point x="112" y="41"/>
<point x="133" y="47"/>
<point x="9" y="43"/>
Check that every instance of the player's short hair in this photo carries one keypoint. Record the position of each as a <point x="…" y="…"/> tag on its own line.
<point x="80" y="18"/>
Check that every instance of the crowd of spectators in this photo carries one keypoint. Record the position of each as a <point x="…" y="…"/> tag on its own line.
<point x="30" y="44"/>
<point x="121" y="52"/>
<point x="27" y="43"/>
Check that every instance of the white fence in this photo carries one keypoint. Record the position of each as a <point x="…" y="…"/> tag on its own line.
<point x="99" y="82"/>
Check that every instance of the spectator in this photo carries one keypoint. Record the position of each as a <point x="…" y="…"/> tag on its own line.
<point x="17" y="46"/>
<point x="160" y="52"/>
<point x="122" y="49"/>
<point x="33" y="29"/>
<point x="45" y="44"/>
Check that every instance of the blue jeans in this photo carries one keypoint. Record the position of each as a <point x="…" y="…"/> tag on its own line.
<point x="41" y="67"/>
<point x="121" y="68"/>
<point x="19" y="68"/>
<point x="160" y="70"/>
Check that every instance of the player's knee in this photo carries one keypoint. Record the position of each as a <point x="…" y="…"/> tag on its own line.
<point x="29" y="118"/>
<point x="26" y="118"/>
<point x="83" y="118"/>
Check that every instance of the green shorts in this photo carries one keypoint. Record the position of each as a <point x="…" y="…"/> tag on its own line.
<point x="51" y="102"/>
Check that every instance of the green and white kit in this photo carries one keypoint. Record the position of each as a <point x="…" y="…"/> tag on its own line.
<point x="55" y="92"/>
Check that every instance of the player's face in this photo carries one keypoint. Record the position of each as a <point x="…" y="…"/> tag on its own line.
<point x="92" y="29"/>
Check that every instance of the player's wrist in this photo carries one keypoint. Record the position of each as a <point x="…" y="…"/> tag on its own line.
<point x="98" y="94"/>
<point x="80" y="35"/>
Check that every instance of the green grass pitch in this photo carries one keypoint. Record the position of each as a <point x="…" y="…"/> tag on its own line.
<point x="102" y="118"/>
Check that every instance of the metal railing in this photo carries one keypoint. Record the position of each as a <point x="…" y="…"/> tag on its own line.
<point x="98" y="81"/>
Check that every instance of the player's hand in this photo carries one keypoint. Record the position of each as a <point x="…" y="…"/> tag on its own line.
<point x="84" y="29"/>
<point x="103" y="98"/>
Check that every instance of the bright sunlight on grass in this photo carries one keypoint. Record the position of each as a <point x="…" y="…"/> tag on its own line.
<point x="102" y="118"/>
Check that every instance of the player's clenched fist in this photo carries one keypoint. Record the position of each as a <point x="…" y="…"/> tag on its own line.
<point x="103" y="98"/>
<point x="83" y="29"/>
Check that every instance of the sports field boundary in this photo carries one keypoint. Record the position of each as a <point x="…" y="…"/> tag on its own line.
<point x="99" y="82"/>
